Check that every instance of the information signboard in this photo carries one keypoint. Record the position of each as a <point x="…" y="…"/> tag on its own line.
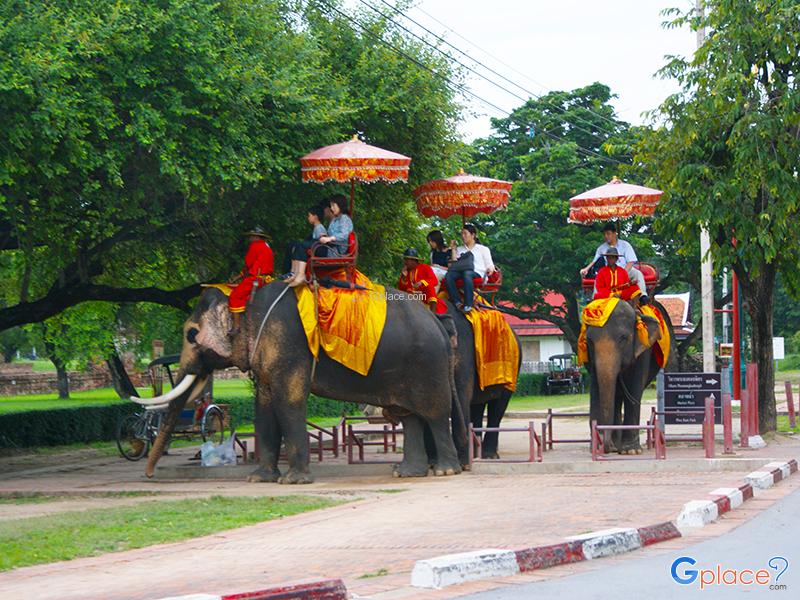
<point x="689" y="391"/>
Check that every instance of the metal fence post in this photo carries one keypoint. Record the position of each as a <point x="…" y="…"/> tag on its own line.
<point x="790" y="404"/>
<point x="727" y="424"/>
<point x="708" y="427"/>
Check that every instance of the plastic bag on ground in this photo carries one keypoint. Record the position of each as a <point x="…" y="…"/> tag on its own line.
<point x="218" y="456"/>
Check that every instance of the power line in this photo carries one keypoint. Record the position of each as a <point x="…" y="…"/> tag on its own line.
<point x="460" y="87"/>
<point x="554" y="105"/>
<point x="441" y="39"/>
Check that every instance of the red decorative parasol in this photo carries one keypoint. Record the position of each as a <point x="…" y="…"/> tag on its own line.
<point x="462" y="194"/>
<point x="614" y="200"/>
<point x="354" y="161"/>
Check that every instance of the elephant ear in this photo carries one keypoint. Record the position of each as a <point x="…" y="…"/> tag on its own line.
<point x="214" y="325"/>
<point x="648" y="332"/>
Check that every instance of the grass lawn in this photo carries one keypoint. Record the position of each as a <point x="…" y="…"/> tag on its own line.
<point x="41" y="498"/>
<point x="783" y="425"/>
<point x="542" y="403"/>
<point x="40" y="540"/>
<point x="223" y="389"/>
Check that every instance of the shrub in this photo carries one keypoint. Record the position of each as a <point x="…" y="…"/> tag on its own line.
<point x="61" y="426"/>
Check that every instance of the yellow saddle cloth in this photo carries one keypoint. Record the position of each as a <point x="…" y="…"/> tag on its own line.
<point x="346" y="323"/>
<point x="496" y="350"/>
<point x="597" y="312"/>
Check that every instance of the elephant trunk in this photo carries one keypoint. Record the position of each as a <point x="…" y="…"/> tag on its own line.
<point x="169" y="421"/>
<point x="606" y="371"/>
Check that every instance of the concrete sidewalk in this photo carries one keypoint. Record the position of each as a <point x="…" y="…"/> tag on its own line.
<point x="381" y="532"/>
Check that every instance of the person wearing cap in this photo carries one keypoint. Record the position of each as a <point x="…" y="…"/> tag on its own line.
<point x="613" y="280"/>
<point x="418" y="278"/>
<point x="626" y="258"/>
<point x="258" y="265"/>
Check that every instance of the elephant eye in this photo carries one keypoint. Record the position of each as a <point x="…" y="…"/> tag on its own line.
<point x="191" y="335"/>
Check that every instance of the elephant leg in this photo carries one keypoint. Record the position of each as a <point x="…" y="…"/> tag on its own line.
<point x="430" y="445"/>
<point x="633" y="406"/>
<point x="415" y="459"/>
<point x="497" y="408"/>
<point x="268" y="438"/>
<point x="617" y="436"/>
<point x="290" y="407"/>
<point x="476" y="418"/>
<point x="447" y="461"/>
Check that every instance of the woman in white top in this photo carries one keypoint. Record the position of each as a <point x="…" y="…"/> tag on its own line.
<point x="482" y="266"/>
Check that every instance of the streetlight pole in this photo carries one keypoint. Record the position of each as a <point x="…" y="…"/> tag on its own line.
<point x="706" y="265"/>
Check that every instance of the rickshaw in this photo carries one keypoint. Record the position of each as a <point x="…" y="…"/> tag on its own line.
<point x="564" y="376"/>
<point x="137" y="432"/>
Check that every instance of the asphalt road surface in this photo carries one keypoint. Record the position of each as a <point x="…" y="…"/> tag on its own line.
<point x="773" y="533"/>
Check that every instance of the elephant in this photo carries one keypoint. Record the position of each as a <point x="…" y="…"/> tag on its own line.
<point x="621" y="367"/>
<point x="475" y="402"/>
<point x="411" y="376"/>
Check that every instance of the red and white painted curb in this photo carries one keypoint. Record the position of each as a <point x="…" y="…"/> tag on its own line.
<point x="698" y="513"/>
<point x="451" y="569"/>
<point x="447" y="570"/>
<point x="331" y="589"/>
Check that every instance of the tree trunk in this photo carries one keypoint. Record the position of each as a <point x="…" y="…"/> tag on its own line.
<point x="759" y="299"/>
<point x="122" y="382"/>
<point x="62" y="378"/>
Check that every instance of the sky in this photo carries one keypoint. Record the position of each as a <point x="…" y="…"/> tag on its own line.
<point x="556" y="45"/>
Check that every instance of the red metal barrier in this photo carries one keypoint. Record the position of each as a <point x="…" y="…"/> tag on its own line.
<point x="790" y="404"/>
<point x="352" y="439"/>
<point x="373" y="420"/>
<point x="313" y="436"/>
<point x="744" y="420"/>
<point x="752" y="393"/>
<point x="708" y="427"/>
<point x="727" y="424"/>
<point x="549" y="423"/>
<point x="535" y="443"/>
<point x="598" y="450"/>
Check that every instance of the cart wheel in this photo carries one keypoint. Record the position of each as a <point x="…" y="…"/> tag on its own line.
<point x="132" y="438"/>
<point x="212" y="428"/>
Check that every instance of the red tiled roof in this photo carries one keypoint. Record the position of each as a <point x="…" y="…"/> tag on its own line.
<point x="536" y="326"/>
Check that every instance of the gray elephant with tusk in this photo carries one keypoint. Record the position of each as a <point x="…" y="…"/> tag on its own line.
<point x="411" y="376"/>
<point x="621" y="367"/>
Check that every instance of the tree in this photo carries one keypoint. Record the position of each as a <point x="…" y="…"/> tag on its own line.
<point x="138" y="140"/>
<point x="727" y="155"/>
<point x="78" y="336"/>
<point x="552" y="148"/>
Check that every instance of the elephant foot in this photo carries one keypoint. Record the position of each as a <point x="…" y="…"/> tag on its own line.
<point x="443" y="469"/>
<point x="407" y="469"/>
<point x="610" y="448"/>
<point x="264" y="474"/>
<point x="466" y="467"/>
<point x="293" y="477"/>
<point x="631" y="450"/>
<point x="490" y="455"/>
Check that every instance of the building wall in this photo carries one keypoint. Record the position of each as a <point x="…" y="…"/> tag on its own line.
<point x="537" y="350"/>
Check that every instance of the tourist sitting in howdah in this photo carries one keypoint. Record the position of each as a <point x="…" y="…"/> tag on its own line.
<point x="258" y="268"/>
<point x="418" y="278"/>
<point x="613" y="281"/>
<point x="298" y="251"/>
<point x="440" y="254"/>
<point x="469" y="261"/>
<point x="336" y="240"/>
<point x="626" y="259"/>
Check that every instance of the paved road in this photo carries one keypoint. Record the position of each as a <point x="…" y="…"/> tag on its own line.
<point x="774" y="532"/>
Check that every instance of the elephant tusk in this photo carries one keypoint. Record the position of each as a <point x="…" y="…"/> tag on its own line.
<point x="184" y="385"/>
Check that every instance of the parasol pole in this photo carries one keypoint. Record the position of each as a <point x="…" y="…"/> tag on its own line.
<point x="463" y="217"/>
<point x="352" y="197"/>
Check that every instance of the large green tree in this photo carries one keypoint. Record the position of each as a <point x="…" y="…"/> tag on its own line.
<point x="138" y="140"/>
<point x="552" y="148"/>
<point x="727" y="155"/>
